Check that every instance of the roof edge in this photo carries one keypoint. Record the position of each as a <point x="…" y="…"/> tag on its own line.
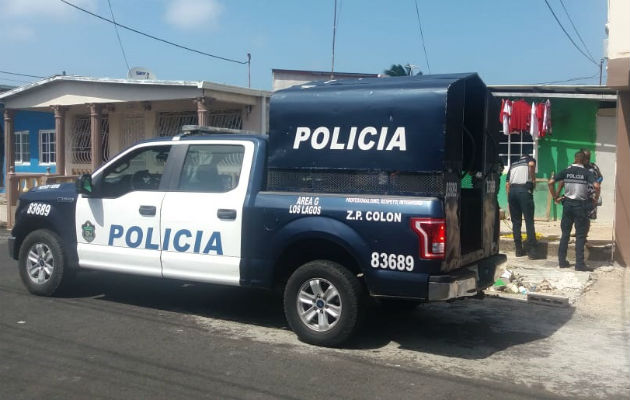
<point x="142" y="82"/>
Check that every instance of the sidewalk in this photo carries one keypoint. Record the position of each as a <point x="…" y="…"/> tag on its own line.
<point x="542" y="280"/>
<point x="599" y="243"/>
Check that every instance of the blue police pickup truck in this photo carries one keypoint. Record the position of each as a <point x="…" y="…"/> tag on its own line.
<point x="382" y="188"/>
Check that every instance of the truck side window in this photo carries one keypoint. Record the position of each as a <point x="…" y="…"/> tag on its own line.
<point x="211" y="168"/>
<point x="139" y="170"/>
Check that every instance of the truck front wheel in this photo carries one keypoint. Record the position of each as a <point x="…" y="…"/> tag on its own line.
<point x="42" y="263"/>
<point x="323" y="302"/>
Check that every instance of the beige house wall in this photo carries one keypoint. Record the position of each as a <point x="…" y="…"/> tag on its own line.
<point x="618" y="28"/>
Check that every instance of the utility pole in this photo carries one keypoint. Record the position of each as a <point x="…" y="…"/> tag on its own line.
<point x="332" y="69"/>
<point x="601" y="63"/>
<point x="249" y="70"/>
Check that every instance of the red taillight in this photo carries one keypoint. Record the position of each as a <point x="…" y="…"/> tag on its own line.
<point x="432" y="235"/>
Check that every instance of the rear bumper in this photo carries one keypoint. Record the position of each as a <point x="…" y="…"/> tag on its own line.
<point x="467" y="281"/>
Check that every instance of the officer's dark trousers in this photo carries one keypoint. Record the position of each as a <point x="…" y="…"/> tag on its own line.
<point x="521" y="203"/>
<point x="574" y="211"/>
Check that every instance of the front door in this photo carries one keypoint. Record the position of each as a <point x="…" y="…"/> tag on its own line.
<point x="118" y="226"/>
<point x="202" y="216"/>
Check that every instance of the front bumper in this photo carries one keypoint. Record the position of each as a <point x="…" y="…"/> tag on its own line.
<point x="11" y="244"/>
<point x="467" y="281"/>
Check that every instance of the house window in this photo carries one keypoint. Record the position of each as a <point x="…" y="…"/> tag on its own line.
<point x="132" y="130"/>
<point x="515" y="145"/>
<point x="82" y="139"/>
<point x="22" y="151"/>
<point x="170" y="123"/>
<point x="47" y="154"/>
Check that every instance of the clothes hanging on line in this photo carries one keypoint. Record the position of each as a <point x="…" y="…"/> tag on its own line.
<point x="504" y="116"/>
<point x="520" y="116"/>
<point x="546" y="125"/>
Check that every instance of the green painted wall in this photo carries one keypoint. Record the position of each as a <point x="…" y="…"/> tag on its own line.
<point x="573" y="123"/>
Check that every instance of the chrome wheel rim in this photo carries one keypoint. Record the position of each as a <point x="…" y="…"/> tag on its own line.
<point x="319" y="304"/>
<point x="40" y="263"/>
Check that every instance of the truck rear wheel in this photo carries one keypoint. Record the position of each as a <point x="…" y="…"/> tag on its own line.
<point x="323" y="303"/>
<point x="42" y="263"/>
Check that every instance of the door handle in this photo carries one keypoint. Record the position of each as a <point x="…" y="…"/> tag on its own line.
<point x="147" y="211"/>
<point x="226" y="214"/>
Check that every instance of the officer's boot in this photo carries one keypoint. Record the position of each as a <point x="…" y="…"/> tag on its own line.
<point x="518" y="249"/>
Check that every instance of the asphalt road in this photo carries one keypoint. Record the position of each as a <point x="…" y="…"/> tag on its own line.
<point x="124" y="337"/>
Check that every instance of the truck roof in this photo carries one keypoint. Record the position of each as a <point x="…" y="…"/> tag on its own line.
<point x="409" y="124"/>
<point x="254" y="137"/>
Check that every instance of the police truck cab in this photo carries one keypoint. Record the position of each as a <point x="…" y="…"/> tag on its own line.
<point x="370" y="187"/>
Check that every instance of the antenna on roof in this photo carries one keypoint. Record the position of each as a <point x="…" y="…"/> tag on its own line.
<point x="140" y="73"/>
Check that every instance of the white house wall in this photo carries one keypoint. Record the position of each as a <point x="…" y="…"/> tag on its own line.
<point x="605" y="158"/>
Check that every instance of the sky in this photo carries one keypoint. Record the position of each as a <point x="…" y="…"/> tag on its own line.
<point x="505" y="41"/>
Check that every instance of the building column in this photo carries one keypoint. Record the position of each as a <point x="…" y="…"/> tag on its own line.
<point x="203" y="113"/>
<point x="95" y="131"/>
<point x="9" y="140"/>
<point x="60" y="139"/>
<point x="9" y="159"/>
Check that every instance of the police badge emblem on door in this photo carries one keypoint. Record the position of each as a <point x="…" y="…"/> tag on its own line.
<point x="87" y="231"/>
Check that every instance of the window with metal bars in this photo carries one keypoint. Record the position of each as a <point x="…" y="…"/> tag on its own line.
<point x="231" y="119"/>
<point x="82" y="139"/>
<point x="170" y="123"/>
<point x="132" y="130"/>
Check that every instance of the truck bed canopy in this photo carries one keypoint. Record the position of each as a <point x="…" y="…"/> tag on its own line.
<point x="420" y="124"/>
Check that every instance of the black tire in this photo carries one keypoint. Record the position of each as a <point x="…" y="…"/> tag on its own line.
<point x="52" y="252"/>
<point x="350" y="300"/>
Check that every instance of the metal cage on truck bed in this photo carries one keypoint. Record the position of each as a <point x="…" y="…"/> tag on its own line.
<point x="431" y="135"/>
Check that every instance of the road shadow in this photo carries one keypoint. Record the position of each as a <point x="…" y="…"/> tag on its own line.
<point x="468" y="329"/>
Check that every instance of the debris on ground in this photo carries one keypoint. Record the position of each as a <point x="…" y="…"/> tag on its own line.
<point x="526" y="278"/>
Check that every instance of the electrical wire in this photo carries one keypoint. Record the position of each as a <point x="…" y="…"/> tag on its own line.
<point x="154" y="37"/>
<point x="566" y="33"/>
<point x="122" y="49"/>
<point x="575" y="29"/>
<point x="19" y="74"/>
<point x="569" y="80"/>
<point x="14" y="80"/>
<point x="426" y="57"/>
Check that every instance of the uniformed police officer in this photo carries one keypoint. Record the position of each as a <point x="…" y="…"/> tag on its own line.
<point x="577" y="204"/>
<point x="519" y="186"/>
<point x="599" y="178"/>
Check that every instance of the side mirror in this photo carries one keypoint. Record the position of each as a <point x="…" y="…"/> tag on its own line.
<point x="84" y="184"/>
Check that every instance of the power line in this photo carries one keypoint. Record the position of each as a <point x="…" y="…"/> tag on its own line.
<point x="155" y="37"/>
<point x="568" y="80"/>
<point x="19" y="74"/>
<point x="122" y="49"/>
<point x="332" y="68"/>
<point x="426" y="57"/>
<point x="14" y="80"/>
<point x="575" y="29"/>
<point x="566" y="33"/>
